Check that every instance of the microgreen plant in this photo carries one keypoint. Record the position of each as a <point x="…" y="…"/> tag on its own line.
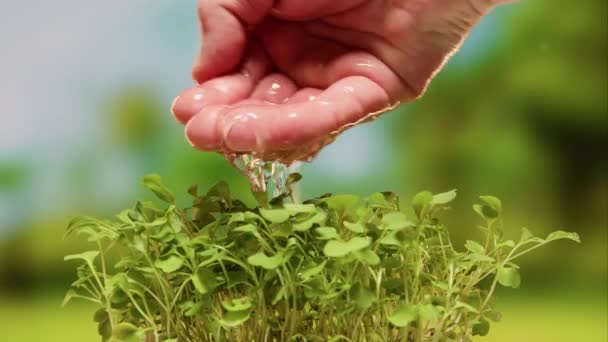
<point x="334" y="268"/>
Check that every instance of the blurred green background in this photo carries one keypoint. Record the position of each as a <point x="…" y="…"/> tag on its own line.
<point x="520" y="113"/>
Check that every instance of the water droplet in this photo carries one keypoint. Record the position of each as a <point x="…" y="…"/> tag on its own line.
<point x="262" y="175"/>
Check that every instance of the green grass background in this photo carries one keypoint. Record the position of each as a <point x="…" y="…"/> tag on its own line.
<point x="555" y="318"/>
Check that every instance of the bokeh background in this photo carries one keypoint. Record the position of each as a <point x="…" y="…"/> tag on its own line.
<point x="520" y="113"/>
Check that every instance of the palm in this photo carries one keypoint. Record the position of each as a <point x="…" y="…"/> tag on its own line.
<point x="300" y="73"/>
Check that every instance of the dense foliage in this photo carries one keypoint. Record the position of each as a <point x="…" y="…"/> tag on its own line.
<point x="335" y="268"/>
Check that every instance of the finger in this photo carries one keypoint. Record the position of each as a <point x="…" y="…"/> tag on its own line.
<point x="203" y="131"/>
<point x="318" y="62"/>
<point x="301" y="10"/>
<point x="305" y="95"/>
<point x="269" y="128"/>
<point x="223" y="90"/>
<point x="224" y="34"/>
<point x="274" y="88"/>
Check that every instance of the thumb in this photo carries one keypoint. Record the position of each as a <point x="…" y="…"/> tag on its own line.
<point x="224" y="25"/>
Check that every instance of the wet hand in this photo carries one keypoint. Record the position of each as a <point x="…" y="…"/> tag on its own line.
<point x="283" y="78"/>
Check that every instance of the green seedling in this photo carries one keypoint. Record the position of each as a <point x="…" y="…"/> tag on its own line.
<point x="334" y="268"/>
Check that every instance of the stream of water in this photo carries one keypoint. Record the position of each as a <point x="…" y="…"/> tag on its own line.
<point x="263" y="176"/>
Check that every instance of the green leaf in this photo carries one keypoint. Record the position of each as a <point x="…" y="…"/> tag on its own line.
<point x="238" y="304"/>
<point x="125" y="332"/>
<point x="100" y="316"/>
<point x="428" y="312"/>
<point x="318" y="218"/>
<point x="467" y="307"/>
<point x="294" y="209"/>
<point x="326" y="233"/>
<point x="204" y="280"/>
<point x="475" y="247"/>
<point x="481" y="328"/>
<point x="479" y="258"/>
<point x="170" y="263"/>
<point x="341" y="203"/>
<point x="357" y="227"/>
<point x="493" y="203"/>
<point x="336" y="248"/>
<point x="421" y="201"/>
<point x="71" y="294"/>
<point x="191" y="309"/>
<point x="88" y="257"/>
<point x="491" y="209"/>
<point x="367" y="256"/>
<point x="247" y="228"/>
<point x="154" y="184"/>
<point x="261" y="197"/>
<point x="275" y="215"/>
<point x="396" y="221"/>
<point x="193" y="190"/>
<point x="220" y="190"/>
<point x="562" y="235"/>
<point x="262" y="260"/>
<point x="444" y="198"/>
<point x="509" y="277"/>
<point x="390" y="240"/>
<point x="526" y="235"/>
<point x="313" y="271"/>
<point x="291" y="180"/>
<point x="363" y="297"/>
<point x="506" y="243"/>
<point x="105" y="331"/>
<point x="493" y="315"/>
<point x="234" y="319"/>
<point x="403" y="315"/>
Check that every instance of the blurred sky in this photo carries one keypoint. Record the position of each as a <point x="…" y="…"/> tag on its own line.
<point x="61" y="58"/>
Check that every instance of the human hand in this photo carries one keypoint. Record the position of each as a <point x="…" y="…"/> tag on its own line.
<point x="283" y="78"/>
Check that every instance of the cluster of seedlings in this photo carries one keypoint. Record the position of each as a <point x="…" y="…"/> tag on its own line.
<point x="334" y="268"/>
